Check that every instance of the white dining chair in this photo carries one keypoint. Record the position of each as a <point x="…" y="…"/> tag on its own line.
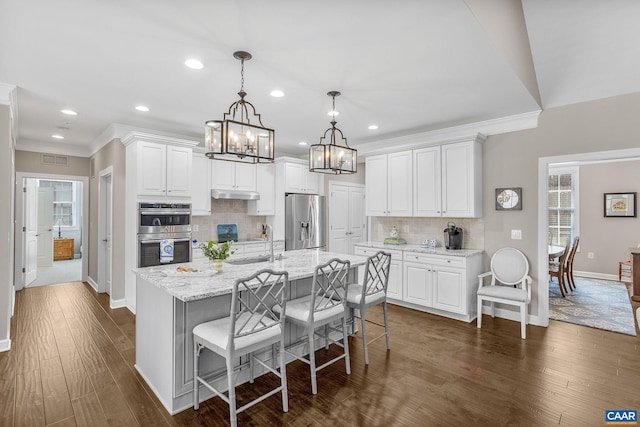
<point x="510" y="284"/>
<point x="251" y="326"/>
<point x="319" y="314"/>
<point x="372" y="292"/>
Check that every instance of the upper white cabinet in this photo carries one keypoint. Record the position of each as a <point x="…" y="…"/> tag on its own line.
<point x="298" y="179"/>
<point x="266" y="186"/>
<point x="200" y="185"/>
<point x="233" y="176"/>
<point x="163" y="170"/>
<point x="448" y="180"/>
<point x="389" y="184"/>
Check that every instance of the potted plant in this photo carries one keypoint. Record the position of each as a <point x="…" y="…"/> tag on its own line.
<point x="217" y="252"/>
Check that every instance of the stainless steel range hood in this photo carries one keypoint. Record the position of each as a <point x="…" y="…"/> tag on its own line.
<point x="234" y="194"/>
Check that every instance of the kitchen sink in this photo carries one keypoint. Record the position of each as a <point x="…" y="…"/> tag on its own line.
<point x="252" y="260"/>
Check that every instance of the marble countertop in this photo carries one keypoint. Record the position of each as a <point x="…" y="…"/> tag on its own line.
<point x="417" y="248"/>
<point x="300" y="264"/>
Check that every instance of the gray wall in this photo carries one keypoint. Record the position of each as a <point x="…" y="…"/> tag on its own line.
<point x="608" y="238"/>
<point x="29" y="161"/>
<point x="7" y="184"/>
<point x="112" y="154"/>
<point x="512" y="160"/>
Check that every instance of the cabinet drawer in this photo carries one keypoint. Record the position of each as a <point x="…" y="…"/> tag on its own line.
<point x="395" y="255"/>
<point x="456" y="262"/>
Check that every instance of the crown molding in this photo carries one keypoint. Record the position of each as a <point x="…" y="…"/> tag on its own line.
<point x="473" y="131"/>
<point x="128" y="134"/>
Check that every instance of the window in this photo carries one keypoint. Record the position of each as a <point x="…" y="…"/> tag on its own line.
<point x="563" y="205"/>
<point x="66" y="202"/>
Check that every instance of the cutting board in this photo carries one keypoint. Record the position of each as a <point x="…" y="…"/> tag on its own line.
<point x="227" y="232"/>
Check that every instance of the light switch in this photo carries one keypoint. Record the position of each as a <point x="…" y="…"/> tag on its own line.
<point x="516" y="234"/>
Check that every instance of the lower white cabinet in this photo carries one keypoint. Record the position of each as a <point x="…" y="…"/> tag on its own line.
<point x="394" y="287"/>
<point x="437" y="283"/>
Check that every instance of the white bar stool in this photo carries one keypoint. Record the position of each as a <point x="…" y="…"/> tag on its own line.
<point x="252" y="325"/>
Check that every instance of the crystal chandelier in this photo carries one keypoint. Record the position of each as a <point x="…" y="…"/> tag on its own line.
<point x="331" y="157"/>
<point x="236" y="138"/>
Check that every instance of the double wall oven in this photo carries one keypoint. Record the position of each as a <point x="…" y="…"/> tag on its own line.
<point x="159" y="221"/>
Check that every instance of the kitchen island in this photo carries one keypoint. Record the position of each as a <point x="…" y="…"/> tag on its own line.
<point x="170" y="304"/>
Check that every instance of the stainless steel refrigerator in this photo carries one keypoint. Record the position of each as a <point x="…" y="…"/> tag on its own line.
<point x="305" y="222"/>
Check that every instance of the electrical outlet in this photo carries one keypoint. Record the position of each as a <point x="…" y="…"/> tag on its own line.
<point x="590" y="255"/>
<point x="516" y="234"/>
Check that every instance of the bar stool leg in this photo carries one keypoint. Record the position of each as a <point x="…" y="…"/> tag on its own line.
<point x="196" y="384"/>
<point x="364" y="338"/>
<point x="345" y="340"/>
<point x="283" y="377"/>
<point x="386" y="324"/>
<point x="312" y="361"/>
<point x="232" y="394"/>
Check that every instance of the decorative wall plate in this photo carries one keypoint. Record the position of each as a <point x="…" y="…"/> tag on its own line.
<point x="509" y="199"/>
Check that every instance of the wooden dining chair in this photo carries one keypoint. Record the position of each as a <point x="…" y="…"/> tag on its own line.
<point x="568" y="269"/>
<point x="556" y="269"/>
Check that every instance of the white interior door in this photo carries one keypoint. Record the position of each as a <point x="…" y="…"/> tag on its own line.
<point x="357" y="217"/>
<point x="45" y="226"/>
<point x="105" y="232"/>
<point x="31" y="231"/>
<point x="339" y="219"/>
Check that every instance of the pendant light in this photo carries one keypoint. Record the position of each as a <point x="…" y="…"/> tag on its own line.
<point x="240" y="136"/>
<point x="331" y="157"/>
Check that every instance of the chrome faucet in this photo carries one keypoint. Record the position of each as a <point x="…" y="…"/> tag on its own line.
<point x="270" y="237"/>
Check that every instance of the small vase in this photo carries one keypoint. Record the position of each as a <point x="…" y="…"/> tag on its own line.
<point x="216" y="264"/>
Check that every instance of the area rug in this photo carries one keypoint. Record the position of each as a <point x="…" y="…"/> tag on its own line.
<point x="601" y="304"/>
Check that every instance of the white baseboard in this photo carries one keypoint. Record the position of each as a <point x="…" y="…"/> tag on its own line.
<point x="118" y="303"/>
<point x="5" y="345"/>
<point x="93" y="284"/>
<point x="593" y="275"/>
<point x="132" y="308"/>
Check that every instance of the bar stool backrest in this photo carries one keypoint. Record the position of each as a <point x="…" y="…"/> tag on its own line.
<point x="329" y="286"/>
<point x="376" y="276"/>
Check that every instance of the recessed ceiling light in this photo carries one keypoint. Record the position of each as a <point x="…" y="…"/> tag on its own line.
<point x="194" y="64"/>
<point x="372" y="127"/>
<point x="142" y="108"/>
<point x="333" y="113"/>
<point x="277" y="93"/>
<point x="302" y="143"/>
<point x="56" y="136"/>
<point x="69" y="112"/>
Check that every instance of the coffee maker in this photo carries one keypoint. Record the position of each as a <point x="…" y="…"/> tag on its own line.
<point x="452" y="236"/>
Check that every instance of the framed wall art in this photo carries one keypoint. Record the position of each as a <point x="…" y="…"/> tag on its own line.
<point x="509" y="199"/>
<point x="620" y="205"/>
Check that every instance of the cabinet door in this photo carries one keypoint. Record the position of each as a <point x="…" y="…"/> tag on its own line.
<point x="376" y="185"/>
<point x="449" y="291"/>
<point x="152" y="169"/>
<point x="418" y="284"/>
<point x="357" y="219"/>
<point x="394" y="287"/>
<point x="223" y="175"/>
<point x="200" y="185"/>
<point x="339" y="220"/>
<point x="293" y="174"/>
<point x="179" y="171"/>
<point x="457" y="174"/>
<point x="312" y="181"/>
<point x="265" y="185"/>
<point x="245" y="177"/>
<point x="400" y="184"/>
<point x="426" y="182"/>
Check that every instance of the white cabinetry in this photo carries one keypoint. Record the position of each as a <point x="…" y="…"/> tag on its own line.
<point x="200" y="185"/>
<point x="298" y="179"/>
<point x="448" y="180"/>
<point x="163" y="170"/>
<point x="347" y="221"/>
<point x="266" y="187"/>
<point x="233" y="176"/>
<point x="389" y="184"/>
<point x="394" y="287"/>
<point x="445" y="283"/>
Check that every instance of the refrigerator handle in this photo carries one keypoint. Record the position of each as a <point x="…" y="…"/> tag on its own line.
<point x="312" y="222"/>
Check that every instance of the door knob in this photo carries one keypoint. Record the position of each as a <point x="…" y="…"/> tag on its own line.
<point x="105" y="240"/>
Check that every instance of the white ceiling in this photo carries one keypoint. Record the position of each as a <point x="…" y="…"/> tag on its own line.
<point x="408" y="66"/>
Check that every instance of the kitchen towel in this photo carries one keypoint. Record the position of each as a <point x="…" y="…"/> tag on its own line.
<point x="166" y="250"/>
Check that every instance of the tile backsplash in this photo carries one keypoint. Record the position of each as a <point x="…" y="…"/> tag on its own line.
<point x="415" y="230"/>
<point x="227" y="212"/>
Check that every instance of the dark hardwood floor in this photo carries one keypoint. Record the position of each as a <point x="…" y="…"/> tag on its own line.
<point x="72" y="357"/>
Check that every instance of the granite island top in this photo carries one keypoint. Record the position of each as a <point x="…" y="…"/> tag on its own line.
<point x="300" y="264"/>
<point x="417" y="248"/>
